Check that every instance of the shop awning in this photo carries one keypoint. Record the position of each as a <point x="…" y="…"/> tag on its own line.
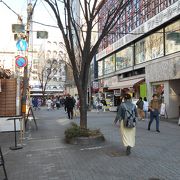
<point x="126" y="84"/>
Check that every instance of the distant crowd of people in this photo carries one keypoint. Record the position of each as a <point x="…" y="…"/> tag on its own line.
<point x="69" y="103"/>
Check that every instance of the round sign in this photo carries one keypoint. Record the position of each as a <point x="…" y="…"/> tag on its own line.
<point x="21" y="61"/>
<point x="22" y="45"/>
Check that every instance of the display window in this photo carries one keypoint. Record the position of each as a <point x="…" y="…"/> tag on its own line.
<point x="149" y="48"/>
<point x="109" y="64"/>
<point x="172" y="38"/>
<point x="100" y="68"/>
<point x="124" y="58"/>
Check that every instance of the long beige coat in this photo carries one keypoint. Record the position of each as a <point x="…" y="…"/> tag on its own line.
<point x="127" y="135"/>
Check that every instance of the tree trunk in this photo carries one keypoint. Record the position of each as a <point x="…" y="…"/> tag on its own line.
<point x="83" y="108"/>
<point x="44" y="99"/>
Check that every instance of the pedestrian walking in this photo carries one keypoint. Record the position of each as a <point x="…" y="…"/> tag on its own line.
<point x="77" y="108"/>
<point x="54" y="102"/>
<point x="154" y="107"/>
<point x="39" y="103"/>
<point x="49" y="104"/>
<point x="145" y="107"/>
<point x="65" y="106"/>
<point x="70" y="103"/>
<point x="35" y="103"/>
<point x="127" y="112"/>
<point x="57" y="102"/>
<point x="118" y="106"/>
<point x="98" y="105"/>
<point x="104" y="104"/>
<point x="140" y="111"/>
<point x="62" y="101"/>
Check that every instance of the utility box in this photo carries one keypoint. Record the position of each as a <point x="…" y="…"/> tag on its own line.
<point x="8" y="97"/>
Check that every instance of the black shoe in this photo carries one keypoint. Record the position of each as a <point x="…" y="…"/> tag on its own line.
<point x="158" y="131"/>
<point x="128" y="151"/>
<point x="148" y="129"/>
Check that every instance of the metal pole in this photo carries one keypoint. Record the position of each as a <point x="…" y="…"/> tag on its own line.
<point x="25" y="78"/>
<point x="30" y="10"/>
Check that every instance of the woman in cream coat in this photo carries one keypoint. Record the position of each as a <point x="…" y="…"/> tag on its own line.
<point x="127" y="134"/>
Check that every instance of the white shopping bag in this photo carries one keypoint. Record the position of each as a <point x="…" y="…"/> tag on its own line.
<point x="163" y="109"/>
<point x="179" y="121"/>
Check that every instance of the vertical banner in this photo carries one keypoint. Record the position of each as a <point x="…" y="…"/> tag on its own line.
<point x="143" y="90"/>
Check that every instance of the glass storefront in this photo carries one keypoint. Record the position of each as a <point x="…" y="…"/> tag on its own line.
<point x="124" y="58"/>
<point x="100" y="68"/>
<point x="109" y="64"/>
<point x="149" y="48"/>
<point x="146" y="49"/>
<point x="172" y="38"/>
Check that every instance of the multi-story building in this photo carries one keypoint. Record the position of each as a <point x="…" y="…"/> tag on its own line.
<point x="141" y="54"/>
<point x="48" y="53"/>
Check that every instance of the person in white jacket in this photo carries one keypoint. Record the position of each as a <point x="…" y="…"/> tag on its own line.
<point x="49" y="104"/>
<point x="145" y="107"/>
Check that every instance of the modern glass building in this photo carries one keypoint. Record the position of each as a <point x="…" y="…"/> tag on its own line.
<point x="141" y="54"/>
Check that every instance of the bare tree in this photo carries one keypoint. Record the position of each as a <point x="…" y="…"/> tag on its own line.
<point x="46" y="72"/>
<point x="77" y="32"/>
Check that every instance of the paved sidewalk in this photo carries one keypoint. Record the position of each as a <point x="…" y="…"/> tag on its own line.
<point x="45" y="156"/>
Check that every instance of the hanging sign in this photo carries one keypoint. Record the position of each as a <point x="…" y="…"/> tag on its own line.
<point x="21" y="61"/>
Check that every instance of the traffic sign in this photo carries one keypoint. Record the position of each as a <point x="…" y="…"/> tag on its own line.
<point x="21" y="61"/>
<point x="22" y="45"/>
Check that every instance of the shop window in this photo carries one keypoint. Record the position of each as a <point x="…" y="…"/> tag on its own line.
<point x="48" y="53"/>
<point x="54" y="71"/>
<point x="124" y="58"/>
<point x="100" y="68"/>
<point x="55" y="79"/>
<point x="54" y="53"/>
<point x="149" y="48"/>
<point x="172" y="38"/>
<point x="109" y="64"/>
<point x="54" y="61"/>
<point x="49" y="42"/>
<point x="48" y="61"/>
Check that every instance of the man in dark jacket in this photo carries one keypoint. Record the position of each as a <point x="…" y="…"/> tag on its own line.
<point x="69" y="103"/>
<point x="140" y="110"/>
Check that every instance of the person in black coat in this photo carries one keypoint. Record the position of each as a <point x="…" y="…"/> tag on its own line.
<point x="69" y="103"/>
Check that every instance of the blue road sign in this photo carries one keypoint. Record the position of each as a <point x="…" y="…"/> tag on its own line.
<point x="22" y="45"/>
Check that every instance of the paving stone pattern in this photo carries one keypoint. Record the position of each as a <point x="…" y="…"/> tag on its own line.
<point x="45" y="156"/>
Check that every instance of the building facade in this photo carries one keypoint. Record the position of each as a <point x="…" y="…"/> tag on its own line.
<point x="142" y="54"/>
<point x="49" y="57"/>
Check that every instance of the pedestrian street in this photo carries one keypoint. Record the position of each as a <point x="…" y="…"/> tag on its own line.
<point x="45" y="155"/>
